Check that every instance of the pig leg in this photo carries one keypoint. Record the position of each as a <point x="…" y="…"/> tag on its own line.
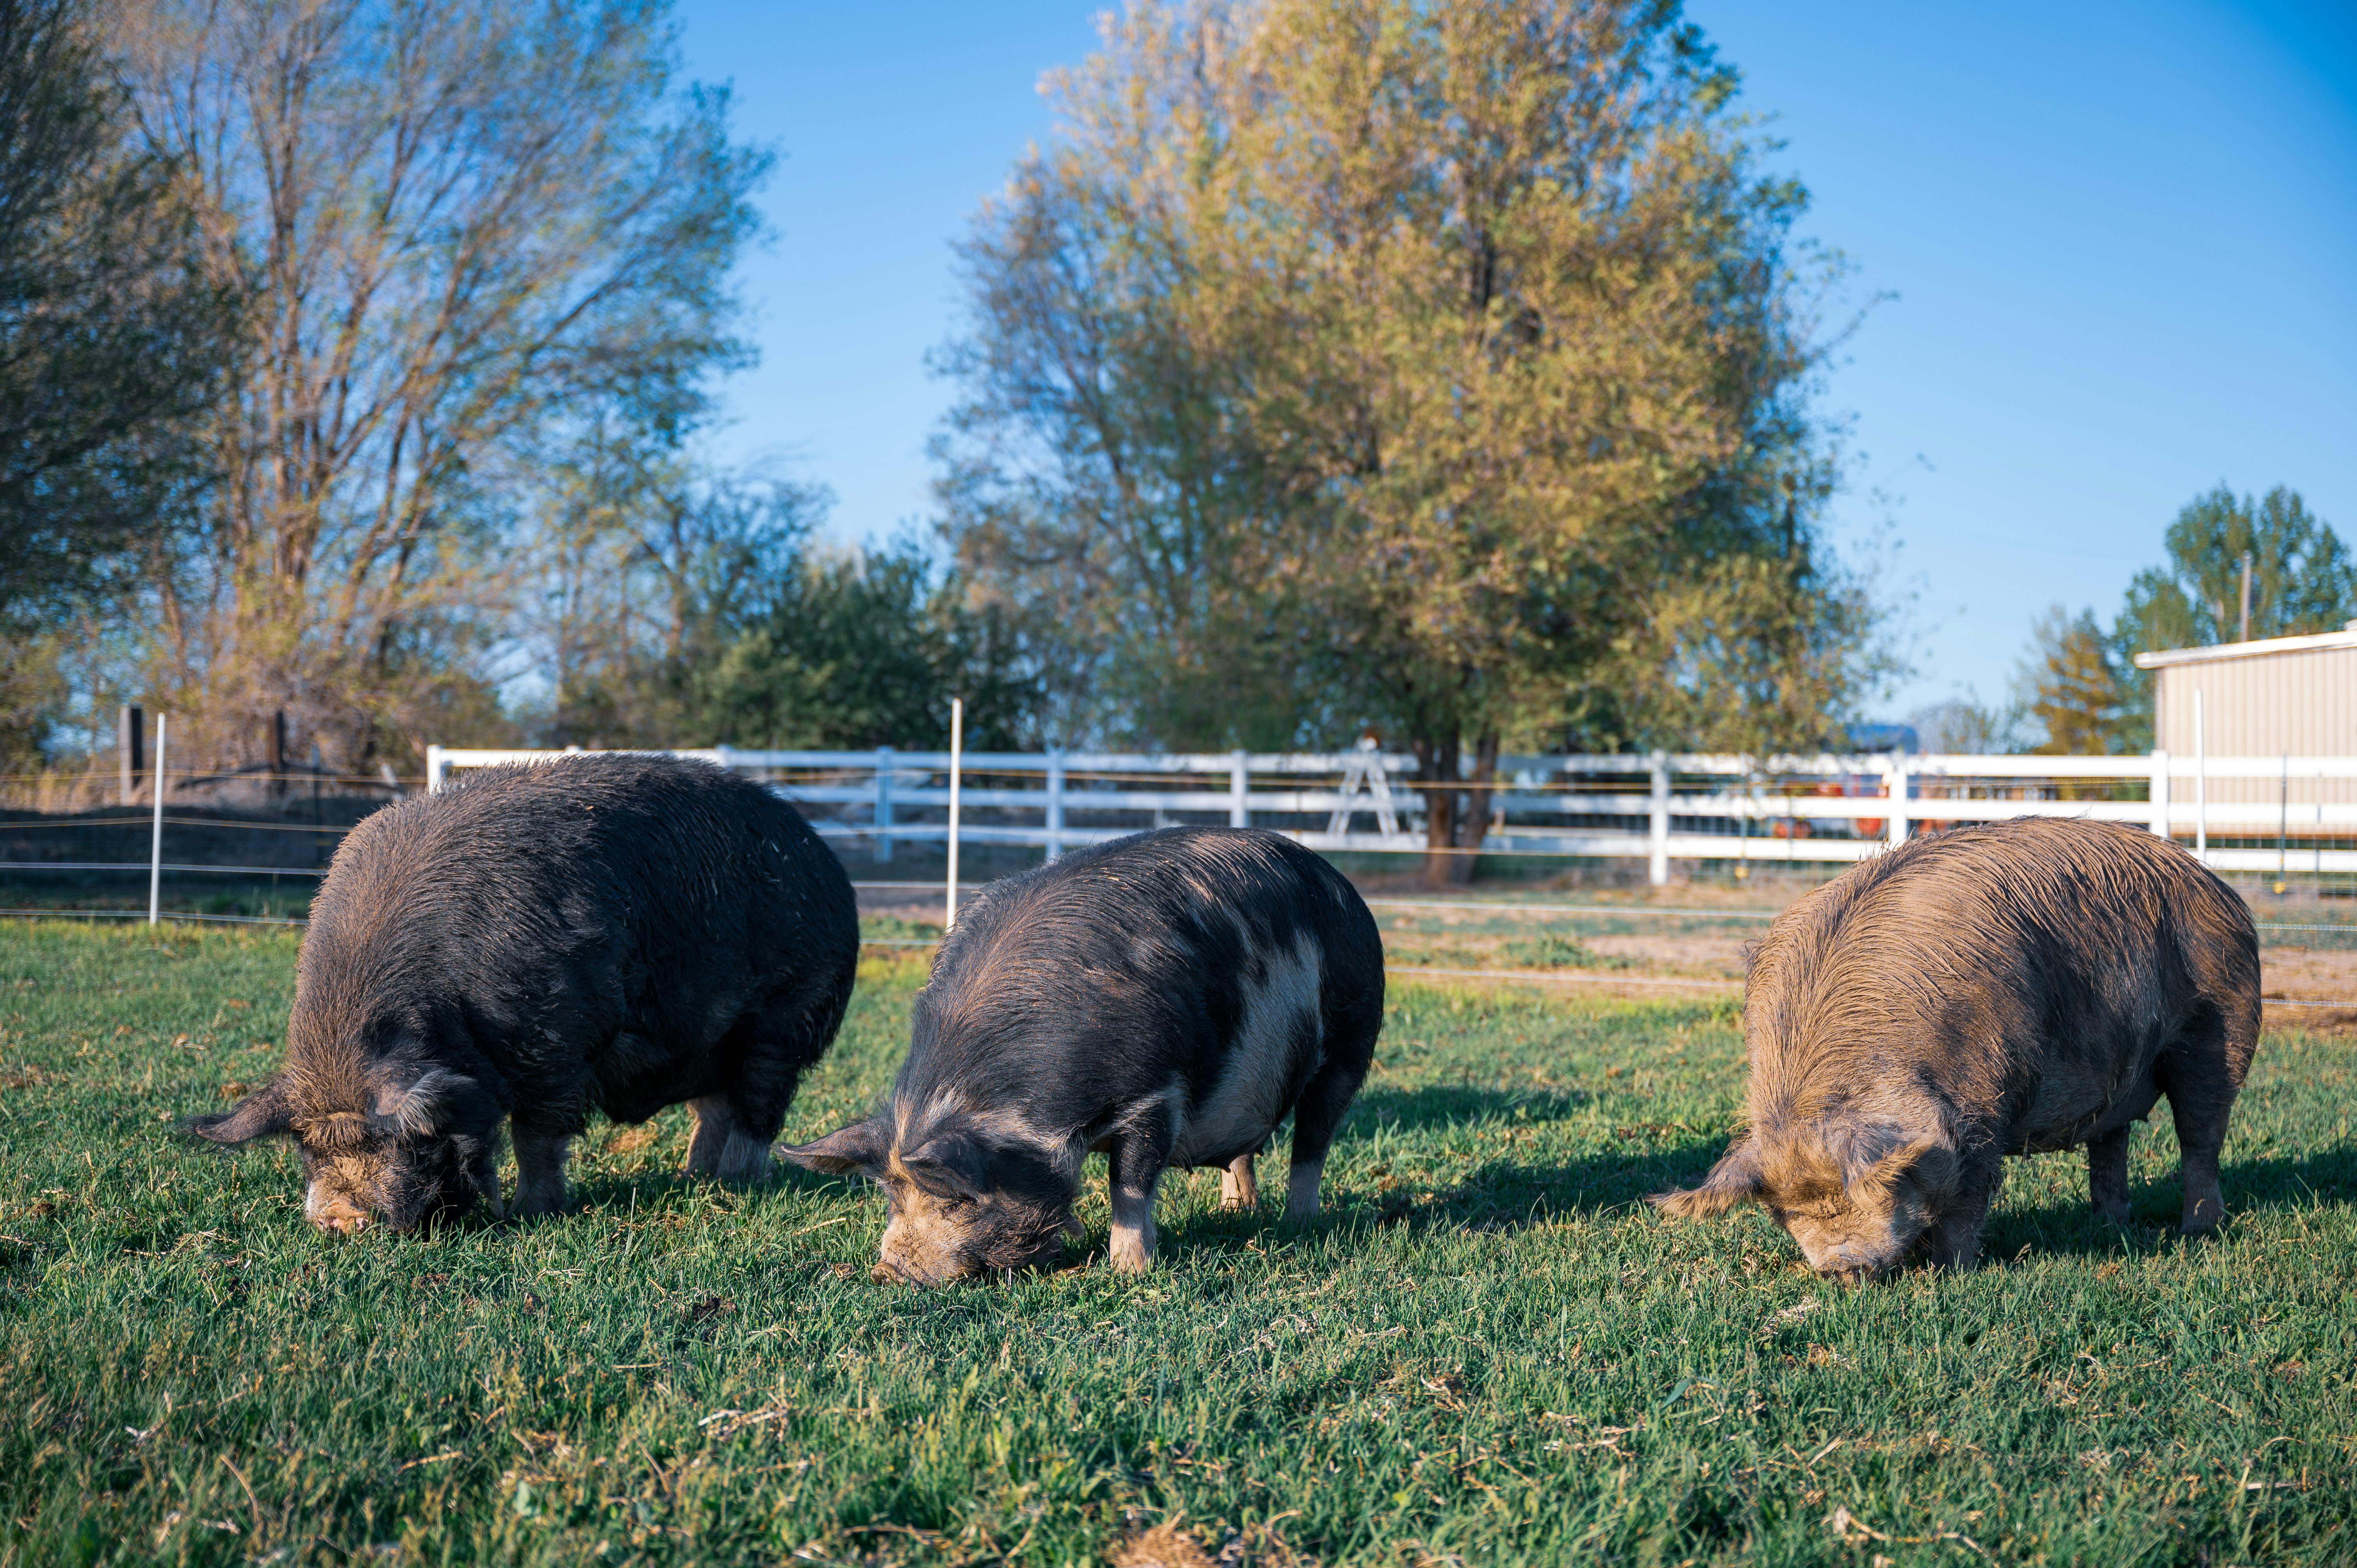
<point x="1954" y="1239"/>
<point x="1238" y="1188"/>
<point x="721" y="1147"/>
<point x="2107" y="1174"/>
<point x="770" y="1047"/>
<point x="1134" y="1161"/>
<point x="1317" y="1116"/>
<point x="2195" y="1075"/>
<point x="540" y="1169"/>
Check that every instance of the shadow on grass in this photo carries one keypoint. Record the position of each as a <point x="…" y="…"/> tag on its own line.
<point x="621" y="1192"/>
<point x="2324" y="1180"/>
<point x="1505" y="1195"/>
<point x="1500" y="1195"/>
<point x="1413" y="1110"/>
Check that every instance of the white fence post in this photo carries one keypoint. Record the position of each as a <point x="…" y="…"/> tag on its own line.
<point x="2159" y="792"/>
<point x="1239" y="791"/>
<point x="882" y="827"/>
<point x="155" y="845"/>
<point x="2201" y="785"/>
<point x="436" y="767"/>
<point x="1055" y="823"/>
<point x="957" y="766"/>
<point x="1659" y="868"/>
<point x="1894" y="784"/>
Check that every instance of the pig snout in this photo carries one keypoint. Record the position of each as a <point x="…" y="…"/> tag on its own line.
<point x="334" y="1212"/>
<point x="1855" y="1247"/>
<point x="1852" y="1268"/>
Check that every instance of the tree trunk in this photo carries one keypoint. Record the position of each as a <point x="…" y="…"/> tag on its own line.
<point x="1455" y="820"/>
<point x="1435" y="772"/>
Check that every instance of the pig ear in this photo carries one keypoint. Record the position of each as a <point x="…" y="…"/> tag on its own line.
<point x="859" y="1149"/>
<point x="435" y="1099"/>
<point x="950" y="1164"/>
<point x="1735" y="1179"/>
<point x="265" y="1111"/>
<point x="1930" y="1163"/>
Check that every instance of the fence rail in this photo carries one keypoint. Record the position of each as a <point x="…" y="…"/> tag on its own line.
<point x="1657" y="807"/>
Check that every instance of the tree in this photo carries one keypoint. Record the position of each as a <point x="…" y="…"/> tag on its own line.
<point x="2302" y="580"/>
<point x="865" y="649"/>
<point x="2072" y="685"/>
<point x="645" y="573"/>
<point x="1100" y="482"/>
<point x="1440" y="367"/>
<point x="466" y="232"/>
<point x="111" y="339"/>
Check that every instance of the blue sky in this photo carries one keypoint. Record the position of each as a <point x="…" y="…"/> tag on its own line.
<point x="2119" y="243"/>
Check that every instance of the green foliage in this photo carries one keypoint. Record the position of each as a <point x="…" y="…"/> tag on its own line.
<point x="650" y="574"/>
<point x="1487" y="1350"/>
<point x="865" y="649"/>
<point x="111" y="337"/>
<point x="1551" y="950"/>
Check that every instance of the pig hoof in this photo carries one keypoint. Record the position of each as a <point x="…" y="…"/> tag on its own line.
<point x="1129" y="1258"/>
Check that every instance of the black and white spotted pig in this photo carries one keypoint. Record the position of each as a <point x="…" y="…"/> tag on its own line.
<point x="1168" y="998"/>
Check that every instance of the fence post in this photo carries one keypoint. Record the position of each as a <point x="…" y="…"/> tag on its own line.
<point x="1894" y="777"/>
<point x="155" y="845"/>
<point x="2159" y="792"/>
<point x="130" y="740"/>
<point x="2200" y="784"/>
<point x="881" y="830"/>
<point x="436" y="767"/>
<point x="1659" y="867"/>
<point x="957" y="767"/>
<point x="1055" y="801"/>
<point x="1239" y="791"/>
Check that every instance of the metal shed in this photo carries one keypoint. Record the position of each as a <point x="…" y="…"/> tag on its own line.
<point x="2280" y="696"/>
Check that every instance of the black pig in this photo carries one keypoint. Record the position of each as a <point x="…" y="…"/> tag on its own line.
<point x="607" y="933"/>
<point x="2027" y="986"/>
<point x="1168" y="998"/>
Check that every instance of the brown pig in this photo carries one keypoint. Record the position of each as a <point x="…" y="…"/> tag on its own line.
<point x="2014" y="989"/>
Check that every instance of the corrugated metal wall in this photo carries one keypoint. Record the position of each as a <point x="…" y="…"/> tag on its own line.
<point x="2302" y="703"/>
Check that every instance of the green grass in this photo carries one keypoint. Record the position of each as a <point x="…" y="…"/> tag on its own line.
<point x="1553" y="950"/>
<point x="1486" y="1353"/>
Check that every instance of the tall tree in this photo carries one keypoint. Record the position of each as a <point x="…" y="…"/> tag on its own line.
<point x="2302" y="576"/>
<point x="466" y="230"/>
<point x="2072" y="685"/>
<point x="112" y="338"/>
<point x="1441" y="367"/>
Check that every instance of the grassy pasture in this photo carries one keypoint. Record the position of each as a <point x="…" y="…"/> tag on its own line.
<point x="1486" y="1353"/>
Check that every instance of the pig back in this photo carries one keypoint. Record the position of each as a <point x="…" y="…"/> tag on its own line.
<point x="2023" y="975"/>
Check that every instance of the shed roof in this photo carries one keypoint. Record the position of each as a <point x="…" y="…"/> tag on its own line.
<point x="2257" y="649"/>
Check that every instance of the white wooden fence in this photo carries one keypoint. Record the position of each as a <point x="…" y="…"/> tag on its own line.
<point x="1658" y="808"/>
